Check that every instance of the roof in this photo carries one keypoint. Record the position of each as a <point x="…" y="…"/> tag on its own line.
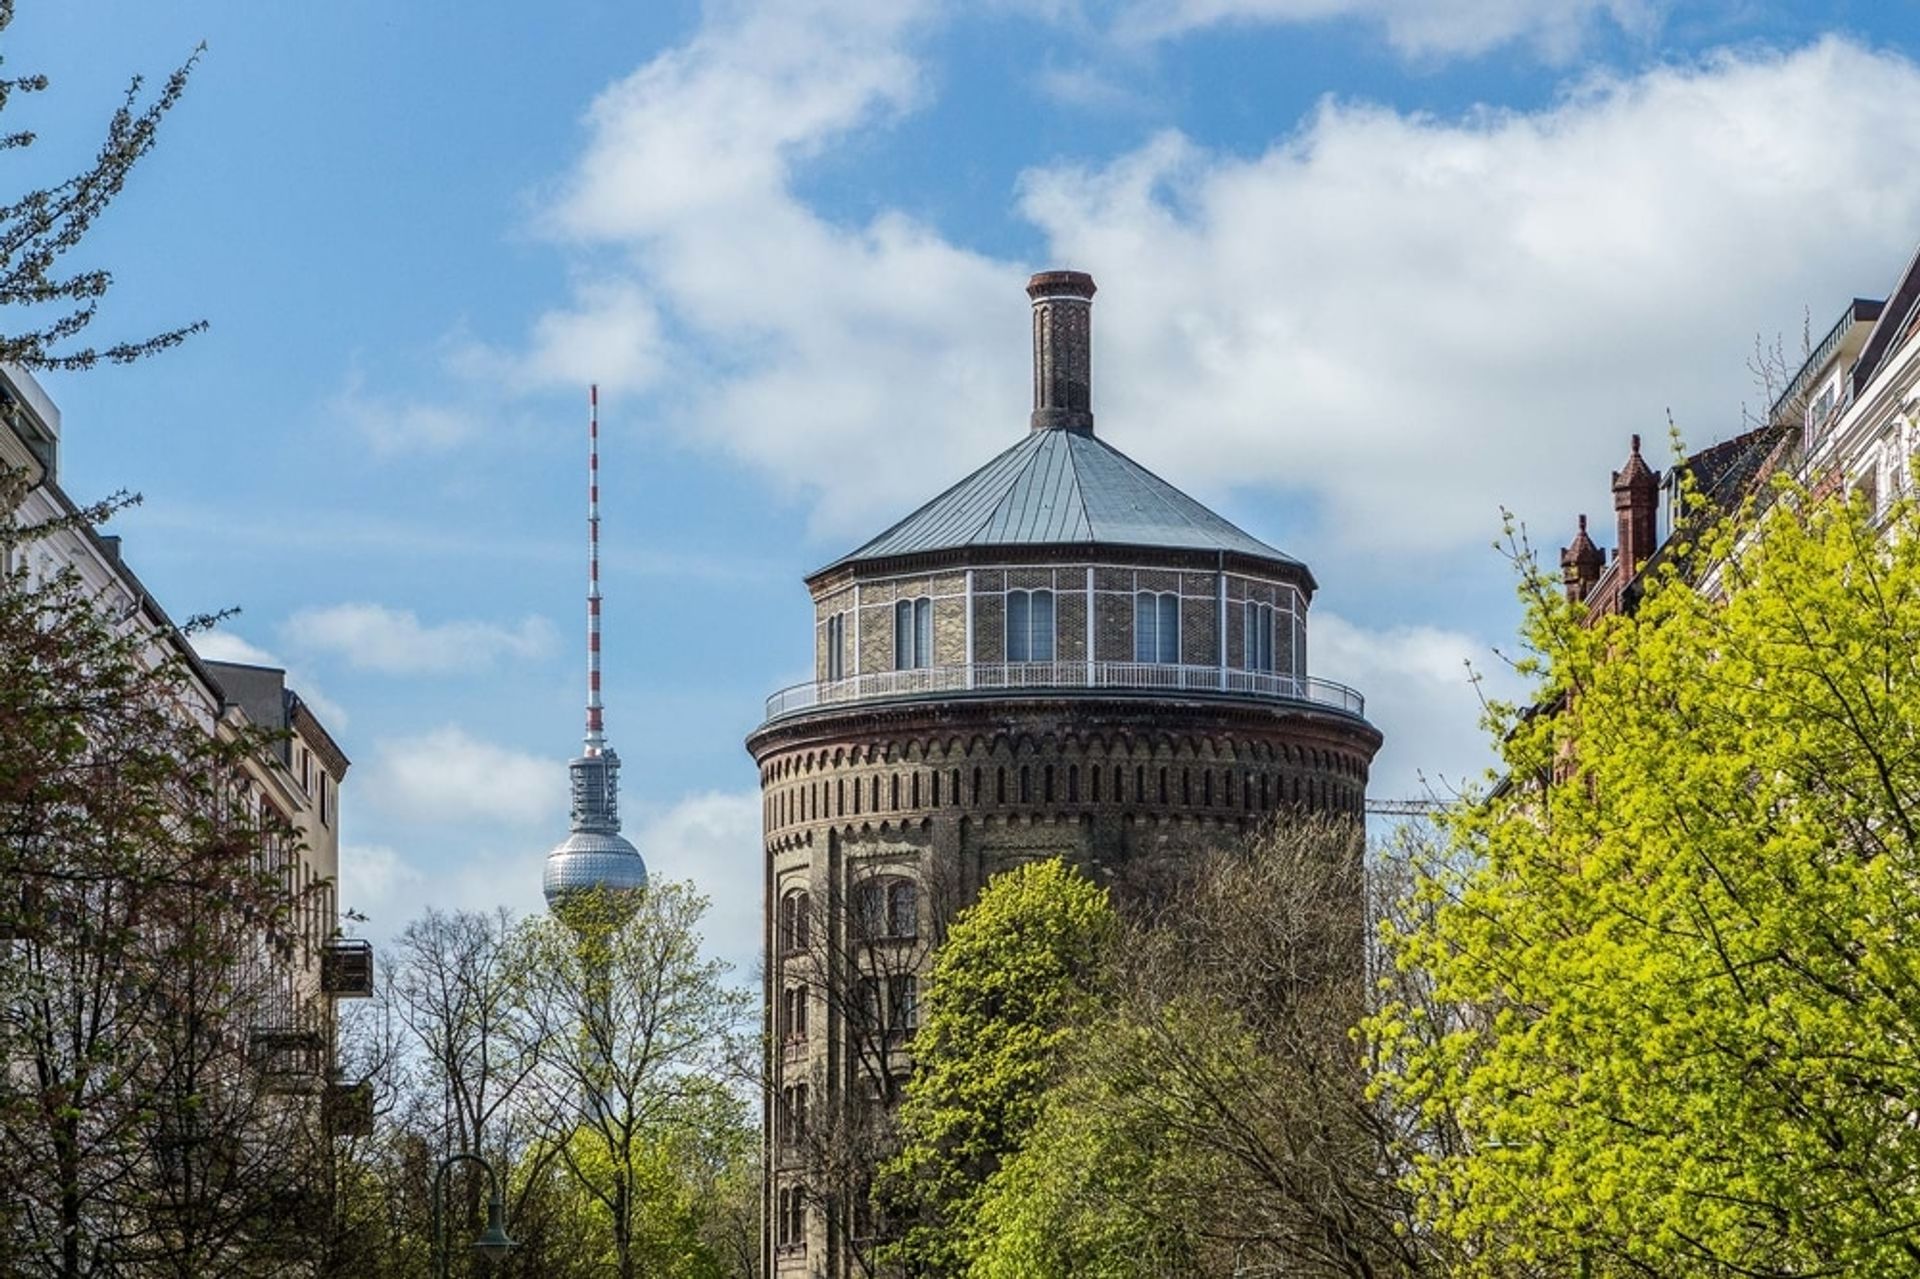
<point x="1059" y="487"/>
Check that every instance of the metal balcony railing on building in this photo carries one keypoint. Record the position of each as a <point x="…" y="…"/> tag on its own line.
<point x="990" y="677"/>
<point x="346" y="968"/>
<point x="290" y="1057"/>
<point x="348" y="1109"/>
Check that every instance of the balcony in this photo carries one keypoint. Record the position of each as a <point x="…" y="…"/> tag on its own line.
<point x="987" y="678"/>
<point x="291" y="1057"/>
<point x="348" y="1109"/>
<point x="346" y="968"/>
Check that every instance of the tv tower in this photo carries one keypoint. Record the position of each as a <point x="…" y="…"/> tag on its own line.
<point x="595" y="854"/>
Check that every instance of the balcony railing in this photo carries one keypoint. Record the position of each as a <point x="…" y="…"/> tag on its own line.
<point x="987" y="677"/>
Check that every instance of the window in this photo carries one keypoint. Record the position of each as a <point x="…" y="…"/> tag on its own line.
<point x="1156" y="627"/>
<point x="903" y="909"/>
<point x="913" y="634"/>
<point x="1259" y="637"/>
<point x="793" y="1114"/>
<point x="836" y="646"/>
<point x="790" y="1230"/>
<point x="796" y="926"/>
<point x="903" y="1005"/>
<point x="887" y="908"/>
<point x="793" y="1013"/>
<point x="1029" y="626"/>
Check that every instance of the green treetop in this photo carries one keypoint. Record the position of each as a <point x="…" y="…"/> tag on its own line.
<point x="1682" y="938"/>
<point x="1003" y="993"/>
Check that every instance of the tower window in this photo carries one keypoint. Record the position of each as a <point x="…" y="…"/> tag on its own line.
<point x="1259" y="637"/>
<point x="1156" y="627"/>
<point x="903" y="1005"/>
<point x="1029" y="626"/>
<point x="796" y="926"/>
<point x="793" y="1013"/>
<point x="793" y="1126"/>
<point x="836" y="646"/>
<point x="887" y="908"/>
<point x="913" y="634"/>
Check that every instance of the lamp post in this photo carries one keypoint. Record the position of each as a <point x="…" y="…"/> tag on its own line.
<point x="493" y="1242"/>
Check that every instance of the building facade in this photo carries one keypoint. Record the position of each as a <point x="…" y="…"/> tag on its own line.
<point x="1060" y="656"/>
<point x="306" y="964"/>
<point x="1845" y="421"/>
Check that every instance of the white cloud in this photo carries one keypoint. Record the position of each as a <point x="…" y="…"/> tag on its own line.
<point x="806" y="343"/>
<point x="710" y="838"/>
<point x="394" y="641"/>
<point x="392" y="890"/>
<point x="1413" y="319"/>
<point x="1402" y="320"/>
<point x="714" y="840"/>
<point x="1418" y="682"/>
<point x="394" y="425"/>
<point x="1420" y="28"/>
<point x="225" y="646"/>
<point x="220" y="645"/>
<point x="447" y="776"/>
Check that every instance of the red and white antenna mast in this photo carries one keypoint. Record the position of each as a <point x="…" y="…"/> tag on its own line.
<point x="596" y="739"/>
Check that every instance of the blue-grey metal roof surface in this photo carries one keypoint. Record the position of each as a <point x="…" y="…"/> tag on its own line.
<point x="1059" y="486"/>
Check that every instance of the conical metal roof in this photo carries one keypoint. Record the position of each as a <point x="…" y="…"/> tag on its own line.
<point x="1062" y="487"/>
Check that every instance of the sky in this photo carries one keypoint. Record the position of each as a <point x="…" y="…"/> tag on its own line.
<point x="1370" y="271"/>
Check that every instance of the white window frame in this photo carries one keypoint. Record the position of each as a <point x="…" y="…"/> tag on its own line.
<point x="1161" y="647"/>
<point x="913" y="642"/>
<point x="1024" y="635"/>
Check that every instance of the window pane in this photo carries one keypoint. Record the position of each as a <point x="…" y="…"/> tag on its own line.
<point x="902" y="911"/>
<point x="1017" y="627"/>
<point x="1144" y="617"/>
<point x="903" y="635"/>
<point x="871" y="906"/>
<point x="1169" y="628"/>
<point x="1043" y="626"/>
<point x="923" y="632"/>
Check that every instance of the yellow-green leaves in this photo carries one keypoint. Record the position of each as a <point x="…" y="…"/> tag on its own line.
<point x="1691" y="1046"/>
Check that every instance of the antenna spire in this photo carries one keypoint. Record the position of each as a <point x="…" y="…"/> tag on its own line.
<point x="596" y="739"/>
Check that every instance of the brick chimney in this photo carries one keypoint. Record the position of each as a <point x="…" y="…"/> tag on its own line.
<point x="1062" y="351"/>
<point x="1580" y="564"/>
<point x="1636" y="493"/>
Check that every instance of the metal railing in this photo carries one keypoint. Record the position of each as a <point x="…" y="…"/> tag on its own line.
<point x="1132" y="676"/>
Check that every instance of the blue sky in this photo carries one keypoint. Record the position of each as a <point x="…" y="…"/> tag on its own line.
<point x="1369" y="270"/>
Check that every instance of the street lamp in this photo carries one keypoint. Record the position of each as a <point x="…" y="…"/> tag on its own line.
<point x="493" y="1242"/>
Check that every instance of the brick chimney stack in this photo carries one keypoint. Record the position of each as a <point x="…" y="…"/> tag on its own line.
<point x="1636" y="492"/>
<point x="1580" y="565"/>
<point x="1062" y="350"/>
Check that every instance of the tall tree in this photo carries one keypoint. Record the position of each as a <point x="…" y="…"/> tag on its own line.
<point x="1688" y="924"/>
<point x="1215" y="1116"/>
<point x="144" y="908"/>
<point x="1017" y="969"/>
<point x="630" y="1025"/>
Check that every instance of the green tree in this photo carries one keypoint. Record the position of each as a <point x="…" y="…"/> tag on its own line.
<point x="1685" y="930"/>
<point x="1215" y="1116"/>
<point x="630" y="1025"/>
<point x="1016" y="971"/>
<point x="144" y="906"/>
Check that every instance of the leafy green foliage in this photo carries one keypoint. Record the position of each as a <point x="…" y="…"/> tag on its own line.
<point x="1212" y="1116"/>
<point x="1685" y="934"/>
<point x="1016" y="971"/>
<point x="145" y="904"/>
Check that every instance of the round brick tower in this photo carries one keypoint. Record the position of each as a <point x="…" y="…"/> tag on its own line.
<point x="1061" y="655"/>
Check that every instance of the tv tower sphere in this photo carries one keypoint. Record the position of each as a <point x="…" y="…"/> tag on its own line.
<point x="596" y="855"/>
